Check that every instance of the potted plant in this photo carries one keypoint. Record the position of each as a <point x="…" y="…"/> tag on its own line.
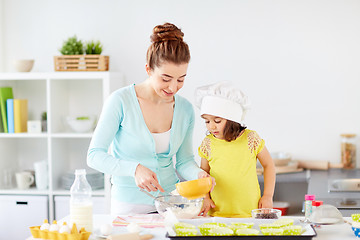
<point x="77" y="56"/>
<point x="92" y="47"/>
<point x="43" y="121"/>
<point x="72" y="46"/>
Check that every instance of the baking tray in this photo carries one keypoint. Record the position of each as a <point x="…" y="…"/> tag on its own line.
<point x="307" y="235"/>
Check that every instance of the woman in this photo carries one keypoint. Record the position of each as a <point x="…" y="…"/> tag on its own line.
<point x="147" y="125"/>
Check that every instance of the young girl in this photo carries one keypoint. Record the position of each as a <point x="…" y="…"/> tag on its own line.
<point x="229" y="154"/>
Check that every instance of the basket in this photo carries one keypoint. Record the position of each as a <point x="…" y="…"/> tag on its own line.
<point x="81" y="63"/>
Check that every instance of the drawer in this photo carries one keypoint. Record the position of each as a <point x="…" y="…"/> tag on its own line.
<point x="18" y="213"/>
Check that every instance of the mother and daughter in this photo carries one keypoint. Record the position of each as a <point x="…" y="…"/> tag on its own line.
<point x="148" y="124"/>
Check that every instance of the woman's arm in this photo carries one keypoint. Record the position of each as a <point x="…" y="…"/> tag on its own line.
<point x="98" y="156"/>
<point x="267" y="162"/>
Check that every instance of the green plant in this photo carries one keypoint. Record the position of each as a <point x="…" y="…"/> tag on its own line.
<point x="72" y="46"/>
<point x="43" y="116"/>
<point x="93" y="47"/>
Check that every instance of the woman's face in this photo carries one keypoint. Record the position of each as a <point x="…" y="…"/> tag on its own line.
<point x="215" y="125"/>
<point x="167" y="79"/>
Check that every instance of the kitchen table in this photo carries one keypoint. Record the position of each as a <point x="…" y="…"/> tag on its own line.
<point x="329" y="232"/>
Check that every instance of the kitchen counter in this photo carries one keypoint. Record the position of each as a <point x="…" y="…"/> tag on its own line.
<point x="329" y="232"/>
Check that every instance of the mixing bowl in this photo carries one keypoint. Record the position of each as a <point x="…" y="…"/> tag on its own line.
<point x="195" y="188"/>
<point x="266" y="213"/>
<point x="180" y="206"/>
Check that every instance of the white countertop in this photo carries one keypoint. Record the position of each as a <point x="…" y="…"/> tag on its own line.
<point x="329" y="232"/>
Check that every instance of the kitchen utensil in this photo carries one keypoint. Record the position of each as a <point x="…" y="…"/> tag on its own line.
<point x="265" y="213"/>
<point x="326" y="215"/>
<point x="41" y="175"/>
<point x="281" y="158"/>
<point x="130" y="236"/>
<point x="24" y="179"/>
<point x="195" y="188"/>
<point x="282" y="206"/>
<point x="181" y="207"/>
<point x="81" y="124"/>
<point x="318" y="165"/>
<point x="156" y="198"/>
<point x="24" y="65"/>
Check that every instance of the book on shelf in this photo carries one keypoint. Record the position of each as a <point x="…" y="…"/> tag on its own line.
<point x="20" y="115"/>
<point x="5" y="94"/>
<point x="10" y="114"/>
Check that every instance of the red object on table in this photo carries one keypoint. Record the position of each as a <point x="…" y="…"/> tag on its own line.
<point x="282" y="206"/>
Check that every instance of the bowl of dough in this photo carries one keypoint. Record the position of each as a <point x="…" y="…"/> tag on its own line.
<point x="182" y="207"/>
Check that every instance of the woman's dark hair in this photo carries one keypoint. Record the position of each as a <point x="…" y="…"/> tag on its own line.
<point x="167" y="46"/>
<point x="232" y="130"/>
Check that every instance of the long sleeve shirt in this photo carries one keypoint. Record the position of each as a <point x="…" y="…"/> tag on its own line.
<point x="121" y="125"/>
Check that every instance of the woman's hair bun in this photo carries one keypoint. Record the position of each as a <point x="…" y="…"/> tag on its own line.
<point x="166" y="32"/>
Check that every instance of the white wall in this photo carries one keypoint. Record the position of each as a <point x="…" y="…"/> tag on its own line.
<point x="298" y="60"/>
<point x="1" y="37"/>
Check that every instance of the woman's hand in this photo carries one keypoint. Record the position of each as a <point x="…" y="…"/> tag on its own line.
<point x="207" y="204"/>
<point x="266" y="202"/>
<point x="203" y="174"/>
<point x="147" y="179"/>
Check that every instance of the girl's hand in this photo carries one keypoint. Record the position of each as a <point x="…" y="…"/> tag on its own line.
<point x="203" y="174"/>
<point x="207" y="204"/>
<point x="147" y="179"/>
<point x="266" y="202"/>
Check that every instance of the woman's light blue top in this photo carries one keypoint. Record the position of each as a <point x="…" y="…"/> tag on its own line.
<point x="121" y="125"/>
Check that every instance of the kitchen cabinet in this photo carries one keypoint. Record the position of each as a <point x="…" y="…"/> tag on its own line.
<point x="20" y="212"/>
<point x="60" y="94"/>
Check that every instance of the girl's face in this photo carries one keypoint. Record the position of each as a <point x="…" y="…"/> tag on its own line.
<point x="215" y="125"/>
<point x="167" y="79"/>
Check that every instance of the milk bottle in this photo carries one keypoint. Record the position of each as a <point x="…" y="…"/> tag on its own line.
<point x="81" y="206"/>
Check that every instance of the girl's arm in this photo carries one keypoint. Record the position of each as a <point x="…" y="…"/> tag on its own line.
<point x="267" y="162"/>
<point x="208" y="203"/>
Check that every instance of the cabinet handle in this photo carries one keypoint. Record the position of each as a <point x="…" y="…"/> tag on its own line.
<point x="21" y="203"/>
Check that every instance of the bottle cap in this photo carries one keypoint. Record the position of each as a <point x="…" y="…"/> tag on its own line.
<point x="309" y="197"/>
<point x="317" y="203"/>
<point x="80" y="171"/>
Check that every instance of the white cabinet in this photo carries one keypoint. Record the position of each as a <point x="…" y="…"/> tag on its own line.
<point x="60" y="94"/>
<point x="18" y="213"/>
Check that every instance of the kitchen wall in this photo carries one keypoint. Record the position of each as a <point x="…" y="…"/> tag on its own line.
<point x="1" y="37"/>
<point x="298" y="61"/>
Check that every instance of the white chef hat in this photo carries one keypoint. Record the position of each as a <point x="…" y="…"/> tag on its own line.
<point x="223" y="100"/>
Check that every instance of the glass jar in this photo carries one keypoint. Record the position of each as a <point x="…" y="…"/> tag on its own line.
<point x="348" y="151"/>
<point x="308" y="206"/>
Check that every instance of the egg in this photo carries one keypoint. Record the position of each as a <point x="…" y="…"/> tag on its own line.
<point x="45" y="225"/>
<point x="106" y="229"/>
<point x="54" y="227"/>
<point x="64" y="228"/>
<point x="133" y="228"/>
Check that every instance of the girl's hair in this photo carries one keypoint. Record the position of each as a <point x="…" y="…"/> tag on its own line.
<point x="167" y="46"/>
<point x="232" y="130"/>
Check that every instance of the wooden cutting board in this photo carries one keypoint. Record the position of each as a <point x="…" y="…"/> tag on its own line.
<point x="290" y="168"/>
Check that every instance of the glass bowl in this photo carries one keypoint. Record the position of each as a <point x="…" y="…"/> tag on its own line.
<point x="182" y="207"/>
<point x="266" y="213"/>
